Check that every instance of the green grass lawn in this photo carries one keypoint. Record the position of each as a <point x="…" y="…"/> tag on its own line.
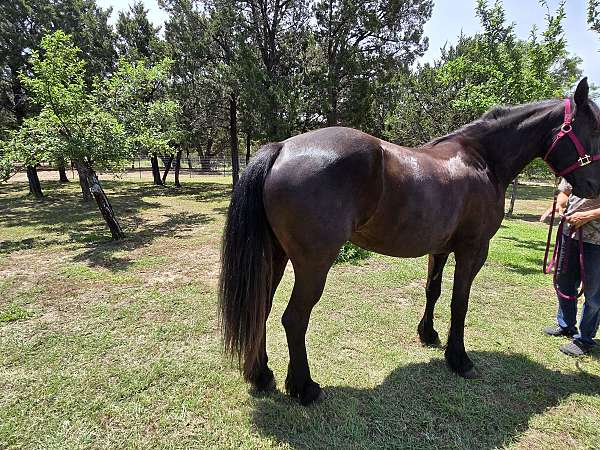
<point x="116" y="345"/>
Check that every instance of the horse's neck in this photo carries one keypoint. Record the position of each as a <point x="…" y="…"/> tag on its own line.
<point x="509" y="149"/>
<point x="508" y="157"/>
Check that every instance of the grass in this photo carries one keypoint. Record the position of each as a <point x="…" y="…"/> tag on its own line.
<point x="108" y="345"/>
<point x="13" y="312"/>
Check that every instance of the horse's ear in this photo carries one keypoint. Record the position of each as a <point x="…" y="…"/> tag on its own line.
<point x="582" y="94"/>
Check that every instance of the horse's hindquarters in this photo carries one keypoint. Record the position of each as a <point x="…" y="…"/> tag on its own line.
<point x="322" y="187"/>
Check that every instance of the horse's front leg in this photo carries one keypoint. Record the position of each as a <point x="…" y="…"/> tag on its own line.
<point x="468" y="263"/>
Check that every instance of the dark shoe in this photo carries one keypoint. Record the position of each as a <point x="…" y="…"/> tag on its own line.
<point x="576" y="348"/>
<point x="559" y="331"/>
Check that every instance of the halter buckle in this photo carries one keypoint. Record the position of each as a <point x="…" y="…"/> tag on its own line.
<point x="585" y="160"/>
<point x="566" y="128"/>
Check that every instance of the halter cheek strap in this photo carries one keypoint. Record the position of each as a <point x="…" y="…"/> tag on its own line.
<point x="567" y="130"/>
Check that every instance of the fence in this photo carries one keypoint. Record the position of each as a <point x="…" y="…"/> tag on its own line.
<point x="192" y="165"/>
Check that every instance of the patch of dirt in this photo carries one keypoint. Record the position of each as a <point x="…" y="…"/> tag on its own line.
<point x="187" y="264"/>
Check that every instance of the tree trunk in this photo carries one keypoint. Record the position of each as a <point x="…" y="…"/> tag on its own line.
<point x="205" y="157"/>
<point x="189" y="161"/>
<point x="85" y="186"/>
<point x="62" y="173"/>
<point x="513" y="197"/>
<point x="332" y="114"/>
<point x="233" y="137"/>
<point x="177" y="167"/>
<point x="248" y="143"/>
<point x="101" y="200"/>
<point x="155" y="169"/>
<point x="35" y="188"/>
<point x="167" y="168"/>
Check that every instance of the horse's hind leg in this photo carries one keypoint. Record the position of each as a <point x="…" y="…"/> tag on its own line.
<point x="308" y="287"/>
<point x="427" y="333"/>
<point x="263" y="379"/>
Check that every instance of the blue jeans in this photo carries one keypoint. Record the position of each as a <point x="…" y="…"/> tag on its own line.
<point x="568" y="279"/>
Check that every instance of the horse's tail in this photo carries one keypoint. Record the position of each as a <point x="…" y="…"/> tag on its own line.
<point x="246" y="264"/>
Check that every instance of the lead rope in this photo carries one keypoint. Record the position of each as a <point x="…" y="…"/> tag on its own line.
<point x="558" y="248"/>
<point x="548" y="267"/>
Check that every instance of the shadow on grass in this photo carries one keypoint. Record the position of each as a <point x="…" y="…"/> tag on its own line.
<point x="532" y="192"/>
<point x="423" y="405"/>
<point x="522" y="243"/>
<point x="7" y="247"/>
<point x="529" y="264"/>
<point x="534" y="218"/>
<point x="61" y="217"/>
<point x="534" y="269"/>
<point x="102" y="254"/>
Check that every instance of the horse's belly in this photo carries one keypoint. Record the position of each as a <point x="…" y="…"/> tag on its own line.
<point x="407" y="240"/>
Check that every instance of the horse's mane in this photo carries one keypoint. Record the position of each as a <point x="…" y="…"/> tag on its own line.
<point x="497" y="117"/>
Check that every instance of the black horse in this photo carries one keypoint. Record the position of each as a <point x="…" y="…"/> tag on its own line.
<point x="303" y="198"/>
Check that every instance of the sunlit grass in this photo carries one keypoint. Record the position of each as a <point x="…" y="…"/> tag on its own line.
<point x="107" y="345"/>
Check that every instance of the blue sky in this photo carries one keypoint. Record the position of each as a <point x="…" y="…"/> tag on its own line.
<point x="451" y="16"/>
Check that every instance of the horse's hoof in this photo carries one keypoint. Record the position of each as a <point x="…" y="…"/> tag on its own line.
<point x="432" y="340"/>
<point x="428" y="338"/>
<point x="460" y="363"/>
<point x="265" y="382"/>
<point x="311" y="393"/>
<point x="469" y="374"/>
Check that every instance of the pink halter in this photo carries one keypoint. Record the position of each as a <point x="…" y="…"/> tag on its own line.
<point x="567" y="130"/>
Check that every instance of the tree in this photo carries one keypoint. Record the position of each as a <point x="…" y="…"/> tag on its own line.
<point x="275" y="54"/>
<point x="21" y="27"/>
<point x="5" y="162"/>
<point x="137" y="37"/>
<point x="593" y="15"/>
<point x="137" y="95"/>
<point x="361" y="40"/>
<point x="28" y="145"/>
<point x="22" y="24"/>
<point x="226" y="38"/>
<point x="208" y="44"/>
<point x="88" y="26"/>
<point x="71" y="123"/>
<point x="197" y="85"/>
<point x="491" y="68"/>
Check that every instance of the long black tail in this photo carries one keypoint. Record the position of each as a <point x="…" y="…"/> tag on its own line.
<point x="246" y="264"/>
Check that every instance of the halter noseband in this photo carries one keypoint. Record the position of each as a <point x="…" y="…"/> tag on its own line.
<point x="567" y="130"/>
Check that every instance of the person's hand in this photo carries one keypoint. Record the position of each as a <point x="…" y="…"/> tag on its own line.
<point x="578" y="219"/>
<point x="547" y="213"/>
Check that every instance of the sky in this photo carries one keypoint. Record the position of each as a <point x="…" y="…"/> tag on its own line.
<point x="450" y="17"/>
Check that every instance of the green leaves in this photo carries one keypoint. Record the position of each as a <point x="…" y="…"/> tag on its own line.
<point x="103" y="125"/>
<point x="361" y="44"/>
<point x="35" y="141"/>
<point x="501" y="69"/>
<point x="593" y="15"/>
<point x="493" y="67"/>
<point x="137" y="38"/>
<point x="138" y="96"/>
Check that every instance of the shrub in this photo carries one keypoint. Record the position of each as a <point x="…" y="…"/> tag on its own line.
<point x="351" y="253"/>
